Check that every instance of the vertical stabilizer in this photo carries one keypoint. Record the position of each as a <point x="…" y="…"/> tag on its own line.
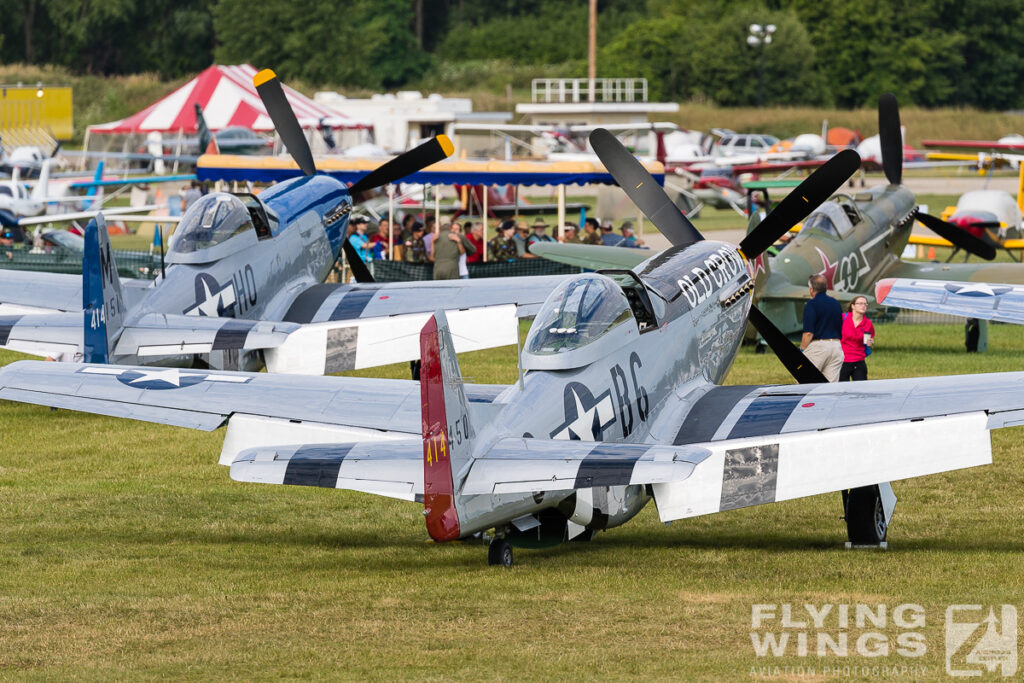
<point x="447" y="430"/>
<point x="102" y="302"/>
<point x="95" y="191"/>
<point x="1020" y="186"/>
<point x="42" y="186"/>
<point x="205" y="136"/>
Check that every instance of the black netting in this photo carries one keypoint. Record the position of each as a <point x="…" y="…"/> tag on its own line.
<point x="137" y="264"/>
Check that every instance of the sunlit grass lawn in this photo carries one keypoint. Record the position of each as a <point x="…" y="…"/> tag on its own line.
<point x="127" y="552"/>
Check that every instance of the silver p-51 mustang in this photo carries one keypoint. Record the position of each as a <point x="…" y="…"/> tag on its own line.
<point x="619" y="402"/>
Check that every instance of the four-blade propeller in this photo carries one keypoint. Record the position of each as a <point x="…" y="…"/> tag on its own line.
<point x="651" y="199"/>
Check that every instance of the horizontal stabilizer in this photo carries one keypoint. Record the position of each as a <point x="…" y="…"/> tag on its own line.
<point x="385" y="468"/>
<point x="158" y="334"/>
<point x="766" y="469"/>
<point x="329" y="347"/>
<point x="999" y="302"/>
<point x="533" y="465"/>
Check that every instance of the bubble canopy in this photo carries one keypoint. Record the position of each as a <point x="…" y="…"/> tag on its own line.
<point x="210" y="221"/>
<point x="579" y="315"/>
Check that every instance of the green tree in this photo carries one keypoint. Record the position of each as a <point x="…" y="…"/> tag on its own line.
<point x="366" y="43"/>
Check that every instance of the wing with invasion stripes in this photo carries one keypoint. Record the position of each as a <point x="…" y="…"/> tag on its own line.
<point x="334" y="302"/>
<point x="311" y="349"/>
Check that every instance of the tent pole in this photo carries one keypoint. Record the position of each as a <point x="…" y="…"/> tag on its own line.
<point x="560" y="192"/>
<point x="484" y="189"/>
<point x="391" y="221"/>
<point x="85" y="145"/>
<point x="437" y="211"/>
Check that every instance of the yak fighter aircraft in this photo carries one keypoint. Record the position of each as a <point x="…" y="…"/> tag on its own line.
<point x="242" y="284"/>
<point x="632" y="361"/>
<point x="853" y="241"/>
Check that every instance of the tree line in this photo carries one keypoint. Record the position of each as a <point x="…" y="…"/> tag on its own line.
<point x="836" y="53"/>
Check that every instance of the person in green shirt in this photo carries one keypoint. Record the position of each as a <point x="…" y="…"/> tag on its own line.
<point x="449" y="245"/>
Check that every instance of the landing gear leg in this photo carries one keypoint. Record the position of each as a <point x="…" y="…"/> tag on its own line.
<point x="499" y="552"/>
<point x="866" y="520"/>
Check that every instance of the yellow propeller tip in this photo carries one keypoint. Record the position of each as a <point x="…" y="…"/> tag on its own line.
<point x="263" y="76"/>
<point x="446" y="144"/>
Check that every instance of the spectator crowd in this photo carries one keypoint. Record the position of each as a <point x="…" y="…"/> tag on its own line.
<point x="456" y="243"/>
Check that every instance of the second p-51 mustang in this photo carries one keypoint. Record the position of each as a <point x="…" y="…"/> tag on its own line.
<point x="619" y="403"/>
<point x="242" y="284"/>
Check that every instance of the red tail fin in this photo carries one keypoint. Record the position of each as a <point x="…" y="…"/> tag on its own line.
<point x="438" y="483"/>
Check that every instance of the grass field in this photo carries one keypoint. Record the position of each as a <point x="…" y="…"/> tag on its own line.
<point x="128" y="553"/>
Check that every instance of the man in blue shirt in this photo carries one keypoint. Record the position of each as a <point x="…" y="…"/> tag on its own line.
<point x="823" y="328"/>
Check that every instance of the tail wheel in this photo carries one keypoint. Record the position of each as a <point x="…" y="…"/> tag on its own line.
<point x="865" y="516"/>
<point x="499" y="553"/>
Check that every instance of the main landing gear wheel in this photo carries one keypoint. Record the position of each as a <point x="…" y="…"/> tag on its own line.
<point x="499" y="552"/>
<point x="865" y="516"/>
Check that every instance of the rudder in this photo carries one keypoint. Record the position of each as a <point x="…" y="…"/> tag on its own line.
<point x="102" y="301"/>
<point x="447" y="429"/>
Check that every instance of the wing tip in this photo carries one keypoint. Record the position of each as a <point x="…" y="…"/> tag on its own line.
<point x="883" y="287"/>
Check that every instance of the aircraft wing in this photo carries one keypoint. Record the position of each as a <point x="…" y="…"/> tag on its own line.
<point x="591" y="256"/>
<point x="128" y="213"/>
<point x="1003" y="303"/>
<point x="1010" y="273"/>
<point x="336" y="302"/>
<point x="29" y="291"/>
<point x="267" y="404"/>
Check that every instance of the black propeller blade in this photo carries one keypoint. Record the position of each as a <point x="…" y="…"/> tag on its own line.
<point x="959" y="237"/>
<point x="796" y="362"/>
<point x="287" y="126"/>
<point x="890" y="137"/>
<point x="359" y="270"/>
<point x="430" y="152"/>
<point x="801" y="201"/>
<point x="643" y="189"/>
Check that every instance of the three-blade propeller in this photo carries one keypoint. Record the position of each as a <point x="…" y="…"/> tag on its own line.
<point x="890" y="137"/>
<point x="651" y="199"/>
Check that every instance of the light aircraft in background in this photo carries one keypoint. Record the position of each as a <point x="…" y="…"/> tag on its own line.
<point x="242" y="287"/>
<point x="619" y="402"/>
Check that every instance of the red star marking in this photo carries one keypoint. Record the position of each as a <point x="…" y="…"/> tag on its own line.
<point x="758" y="266"/>
<point x="829" y="271"/>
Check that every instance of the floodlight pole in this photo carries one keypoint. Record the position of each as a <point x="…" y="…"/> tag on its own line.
<point x="760" y="37"/>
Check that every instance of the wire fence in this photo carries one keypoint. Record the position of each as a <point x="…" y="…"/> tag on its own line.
<point x="134" y="264"/>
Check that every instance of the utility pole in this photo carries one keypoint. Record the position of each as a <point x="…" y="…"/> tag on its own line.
<point x="592" y="51"/>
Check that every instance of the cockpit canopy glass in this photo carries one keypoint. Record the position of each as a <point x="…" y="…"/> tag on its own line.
<point x="211" y="220"/>
<point x="578" y="312"/>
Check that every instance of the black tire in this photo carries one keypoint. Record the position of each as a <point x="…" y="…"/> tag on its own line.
<point x="865" y="517"/>
<point x="499" y="553"/>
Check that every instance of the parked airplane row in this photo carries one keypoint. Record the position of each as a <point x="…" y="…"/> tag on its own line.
<point x="620" y="400"/>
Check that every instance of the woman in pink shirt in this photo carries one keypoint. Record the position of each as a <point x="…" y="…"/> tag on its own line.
<point x="858" y="338"/>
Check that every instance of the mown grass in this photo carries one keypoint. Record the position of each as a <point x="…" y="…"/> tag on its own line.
<point x="127" y="552"/>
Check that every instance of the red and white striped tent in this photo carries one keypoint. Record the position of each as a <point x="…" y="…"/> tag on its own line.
<point x="228" y="98"/>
